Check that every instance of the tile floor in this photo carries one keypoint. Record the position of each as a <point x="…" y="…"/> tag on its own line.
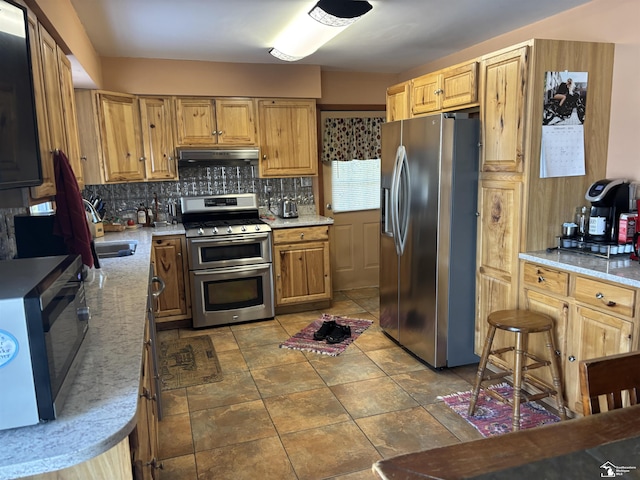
<point x="281" y="414"/>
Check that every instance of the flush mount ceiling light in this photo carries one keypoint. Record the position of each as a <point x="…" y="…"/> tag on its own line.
<point x="310" y="30"/>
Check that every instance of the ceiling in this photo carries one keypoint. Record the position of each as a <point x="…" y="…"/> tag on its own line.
<point x="395" y="36"/>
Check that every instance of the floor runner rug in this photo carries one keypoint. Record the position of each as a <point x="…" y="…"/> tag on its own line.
<point x="303" y="340"/>
<point x="185" y="362"/>
<point x="493" y="417"/>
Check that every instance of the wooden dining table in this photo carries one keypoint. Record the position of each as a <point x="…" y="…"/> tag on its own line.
<point x="605" y="445"/>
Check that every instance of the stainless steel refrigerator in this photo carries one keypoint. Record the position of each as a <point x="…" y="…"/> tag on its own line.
<point x="429" y="182"/>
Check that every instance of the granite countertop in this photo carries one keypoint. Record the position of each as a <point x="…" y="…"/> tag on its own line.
<point x="300" y="221"/>
<point x="618" y="269"/>
<point x="101" y="408"/>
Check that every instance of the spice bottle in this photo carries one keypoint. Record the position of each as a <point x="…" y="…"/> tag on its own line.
<point x="142" y="215"/>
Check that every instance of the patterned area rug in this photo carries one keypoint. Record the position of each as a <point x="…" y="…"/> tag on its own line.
<point x="303" y="340"/>
<point x="185" y="362"/>
<point x="493" y="417"/>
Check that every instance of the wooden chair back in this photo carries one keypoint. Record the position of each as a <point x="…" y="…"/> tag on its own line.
<point x="610" y="377"/>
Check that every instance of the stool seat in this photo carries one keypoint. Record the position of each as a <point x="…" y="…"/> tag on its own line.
<point x="522" y="323"/>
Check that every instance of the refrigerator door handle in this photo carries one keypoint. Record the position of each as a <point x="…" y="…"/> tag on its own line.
<point x="404" y="201"/>
<point x="385" y="211"/>
<point x="395" y="205"/>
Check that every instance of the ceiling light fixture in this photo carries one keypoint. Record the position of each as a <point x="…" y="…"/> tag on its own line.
<point x="310" y="30"/>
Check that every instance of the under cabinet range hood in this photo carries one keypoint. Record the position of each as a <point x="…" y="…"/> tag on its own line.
<point x="223" y="157"/>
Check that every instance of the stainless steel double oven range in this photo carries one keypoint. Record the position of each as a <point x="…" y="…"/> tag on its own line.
<point x="229" y="253"/>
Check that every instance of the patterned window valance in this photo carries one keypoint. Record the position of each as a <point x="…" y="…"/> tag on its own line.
<point x="351" y="139"/>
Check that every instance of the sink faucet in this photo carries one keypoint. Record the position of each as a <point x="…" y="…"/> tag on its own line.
<point x="94" y="214"/>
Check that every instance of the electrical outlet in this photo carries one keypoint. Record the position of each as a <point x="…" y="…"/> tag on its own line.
<point x="305" y="181"/>
<point x="267" y="189"/>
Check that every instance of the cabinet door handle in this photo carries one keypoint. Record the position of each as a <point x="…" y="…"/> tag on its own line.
<point x="220" y="132"/>
<point x="302" y="236"/>
<point x="608" y="303"/>
<point x="541" y="279"/>
<point x="572" y="358"/>
<point x="142" y="159"/>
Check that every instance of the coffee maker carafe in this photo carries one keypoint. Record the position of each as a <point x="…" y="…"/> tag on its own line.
<point x="609" y="198"/>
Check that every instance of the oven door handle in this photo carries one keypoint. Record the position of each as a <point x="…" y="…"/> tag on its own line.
<point x="238" y="269"/>
<point x="247" y="238"/>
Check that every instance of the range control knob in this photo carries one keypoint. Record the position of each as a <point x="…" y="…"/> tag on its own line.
<point x="257" y="228"/>
<point x="201" y="231"/>
<point x="215" y="230"/>
<point x="243" y="228"/>
<point x="229" y="229"/>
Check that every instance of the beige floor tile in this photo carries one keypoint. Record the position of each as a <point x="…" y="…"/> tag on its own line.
<point x="179" y="468"/>
<point x="270" y="356"/>
<point x="467" y="372"/>
<point x="174" y="436"/>
<point x="405" y="431"/>
<point x="373" y="397"/>
<point x="361" y="475"/>
<point x="369" y="304"/>
<point x="344" y="307"/>
<point x="305" y="410"/>
<point x="263" y="459"/>
<point x="164" y="335"/>
<point x="195" y="332"/>
<point x="358" y="293"/>
<point x="224" y="340"/>
<point x="300" y="317"/>
<point x="174" y="401"/>
<point x="239" y="423"/>
<point x="453" y="422"/>
<point x="329" y="451"/>
<point x="340" y="296"/>
<point x="232" y="361"/>
<point x="285" y="379"/>
<point x="395" y="360"/>
<point x="249" y="325"/>
<point x="374" y="340"/>
<point x="346" y="368"/>
<point x="426" y="385"/>
<point x="237" y="387"/>
<point x="273" y="333"/>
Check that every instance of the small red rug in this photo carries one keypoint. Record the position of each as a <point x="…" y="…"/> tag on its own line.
<point x="493" y="417"/>
<point x="303" y="340"/>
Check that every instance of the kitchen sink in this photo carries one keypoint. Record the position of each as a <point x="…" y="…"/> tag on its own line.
<point x="120" y="248"/>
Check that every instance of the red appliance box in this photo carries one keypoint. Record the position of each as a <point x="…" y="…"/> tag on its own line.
<point x="627" y="227"/>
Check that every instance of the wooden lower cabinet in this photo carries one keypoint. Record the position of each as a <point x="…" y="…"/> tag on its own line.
<point x="301" y="265"/>
<point x="143" y="439"/>
<point x="593" y="318"/>
<point x="170" y="262"/>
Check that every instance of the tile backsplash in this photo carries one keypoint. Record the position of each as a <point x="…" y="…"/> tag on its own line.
<point x="122" y="199"/>
<point x="7" y="232"/>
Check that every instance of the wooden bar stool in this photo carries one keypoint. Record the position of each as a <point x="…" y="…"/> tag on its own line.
<point x="522" y="323"/>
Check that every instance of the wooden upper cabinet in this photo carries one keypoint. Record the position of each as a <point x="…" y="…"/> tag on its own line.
<point x="288" y="138"/>
<point x="119" y="118"/>
<point x="502" y="111"/>
<point x="156" y="116"/>
<point x="445" y="89"/>
<point x="210" y="121"/>
<point x="398" y="102"/>
<point x="70" y="118"/>
<point x="110" y="136"/>
<point x="48" y="186"/>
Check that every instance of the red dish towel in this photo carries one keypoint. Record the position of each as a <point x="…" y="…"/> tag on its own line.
<point x="71" y="221"/>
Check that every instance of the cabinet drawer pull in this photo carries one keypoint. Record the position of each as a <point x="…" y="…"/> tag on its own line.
<point x="301" y="236"/>
<point x="541" y="279"/>
<point x="608" y="303"/>
<point x="572" y="358"/>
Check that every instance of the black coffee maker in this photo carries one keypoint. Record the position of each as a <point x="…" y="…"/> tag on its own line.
<point x="609" y="198"/>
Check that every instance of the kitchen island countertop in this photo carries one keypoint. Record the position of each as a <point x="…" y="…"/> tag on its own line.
<point x="101" y="408"/>
<point x="618" y="269"/>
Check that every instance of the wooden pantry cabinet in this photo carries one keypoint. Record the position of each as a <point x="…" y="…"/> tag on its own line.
<point x="518" y="210"/>
<point x="169" y="259"/>
<point x="593" y="318"/>
<point x="453" y="87"/>
<point x="288" y="138"/>
<point x="301" y="265"/>
<point x="202" y="121"/>
<point x="55" y="107"/>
